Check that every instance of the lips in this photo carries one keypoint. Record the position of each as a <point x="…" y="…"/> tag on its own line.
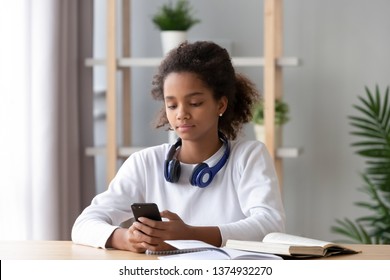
<point x="184" y="127"/>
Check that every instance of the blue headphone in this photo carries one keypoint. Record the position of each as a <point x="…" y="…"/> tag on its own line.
<point x="202" y="175"/>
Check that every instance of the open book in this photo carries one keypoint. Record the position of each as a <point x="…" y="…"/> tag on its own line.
<point x="199" y="250"/>
<point x="291" y="246"/>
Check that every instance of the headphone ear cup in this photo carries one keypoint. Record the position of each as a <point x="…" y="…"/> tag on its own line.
<point x="166" y="173"/>
<point x="172" y="170"/>
<point x="195" y="180"/>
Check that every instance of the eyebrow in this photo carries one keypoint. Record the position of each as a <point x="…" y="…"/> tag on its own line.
<point x="187" y="96"/>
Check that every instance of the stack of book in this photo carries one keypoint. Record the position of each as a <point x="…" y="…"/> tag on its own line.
<point x="274" y="246"/>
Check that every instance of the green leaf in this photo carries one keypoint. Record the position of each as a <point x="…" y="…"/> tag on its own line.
<point x="372" y="126"/>
<point x="369" y="114"/>
<point x="369" y="143"/>
<point x="355" y="232"/>
<point x="364" y="127"/>
<point x="376" y="153"/>
<point x="281" y="112"/>
<point x="366" y="205"/>
<point x="366" y="134"/>
<point x="175" y="17"/>
<point x="385" y="113"/>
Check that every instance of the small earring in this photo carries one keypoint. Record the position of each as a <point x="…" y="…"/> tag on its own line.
<point x="220" y="114"/>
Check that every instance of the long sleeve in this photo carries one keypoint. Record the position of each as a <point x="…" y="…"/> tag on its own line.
<point x="258" y="195"/>
<point x="111" y="208"/>
<point x="243" y="199"/>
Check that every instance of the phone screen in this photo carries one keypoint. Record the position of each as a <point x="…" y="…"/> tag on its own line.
<point x="147" y="210"/>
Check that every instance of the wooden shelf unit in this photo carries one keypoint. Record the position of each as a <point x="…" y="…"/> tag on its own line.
<point x="124" y="152"/>
<point x="124" y="62"/>
<point x="273" y="62"/>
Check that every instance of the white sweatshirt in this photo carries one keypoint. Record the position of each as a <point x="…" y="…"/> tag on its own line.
<point x="243" y="199"/>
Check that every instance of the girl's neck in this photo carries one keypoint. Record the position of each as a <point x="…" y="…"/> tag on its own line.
<point x="193" y="152"/>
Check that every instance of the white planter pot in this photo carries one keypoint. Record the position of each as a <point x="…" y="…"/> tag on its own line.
<point x="260" y="134"/>
<point x="172" y="39"/>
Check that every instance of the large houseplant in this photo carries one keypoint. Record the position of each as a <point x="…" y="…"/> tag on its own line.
<point x="174" y="21"/>
<point x="372" y="125"/>
<point x="281" y="117"/>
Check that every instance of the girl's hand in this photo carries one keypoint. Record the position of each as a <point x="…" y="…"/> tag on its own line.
<point x="154" y="233"/>
<point x="126" y="239"/>
<point x="148" y="234"/>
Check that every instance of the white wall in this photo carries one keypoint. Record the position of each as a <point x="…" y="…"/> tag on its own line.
<point x="343" y="45"/>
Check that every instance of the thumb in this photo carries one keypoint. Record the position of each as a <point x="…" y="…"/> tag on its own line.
<point x="169" y="215"/>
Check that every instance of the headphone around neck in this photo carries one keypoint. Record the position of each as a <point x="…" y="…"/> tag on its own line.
<point x="202" y="175"/>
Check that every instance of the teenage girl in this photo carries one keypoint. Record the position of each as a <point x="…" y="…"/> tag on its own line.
<point x="211" y="184"/>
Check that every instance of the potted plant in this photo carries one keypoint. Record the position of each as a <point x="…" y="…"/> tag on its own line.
<point x="174" y="21"/>
<point x="372" y="125"/>
<point x="281" y="117"/>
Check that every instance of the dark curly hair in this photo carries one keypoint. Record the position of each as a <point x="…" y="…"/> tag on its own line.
<point x="212" y="64"/>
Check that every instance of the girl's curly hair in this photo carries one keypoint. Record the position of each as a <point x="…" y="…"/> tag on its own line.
<point x="212" y="64"/>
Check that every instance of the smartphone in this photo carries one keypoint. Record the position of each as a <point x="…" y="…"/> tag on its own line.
<point x="147" y="210"/>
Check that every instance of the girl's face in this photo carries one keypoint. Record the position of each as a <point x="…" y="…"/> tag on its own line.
<point x="191" y="109"/>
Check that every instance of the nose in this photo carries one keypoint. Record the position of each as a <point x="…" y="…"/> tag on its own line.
<point x="182" y="113"/>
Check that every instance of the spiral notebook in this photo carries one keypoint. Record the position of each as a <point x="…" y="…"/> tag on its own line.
<point x="194" y="249"/>
<point x="184" y="246"/>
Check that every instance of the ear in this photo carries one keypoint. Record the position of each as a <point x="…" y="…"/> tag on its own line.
<point x="222" y="104"/>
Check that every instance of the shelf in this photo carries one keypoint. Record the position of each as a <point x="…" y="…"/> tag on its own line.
<point x="90" y="62"/>
<point x="284" y="152"/>
<point x="122" y="151"/>
<point x="272" y="62"/>
<point x="155" y="61"/>
<point x="259" y="61"/>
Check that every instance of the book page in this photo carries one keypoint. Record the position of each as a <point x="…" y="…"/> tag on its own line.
<point x="201" y="255"/>
<point x="246" y="255"/>
<point x="221" y="254"/>
<point x="189" y="244"/>
<point x="284" y="238"/>
<point x="184" y="246"/>
<point x="201" y="250"/>
<point x="257" y="246"/>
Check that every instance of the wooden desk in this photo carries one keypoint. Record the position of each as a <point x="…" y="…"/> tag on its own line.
<point x="66" y="250"/>
<point x="368" y="252"/>
<point x="62" y="250"/>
